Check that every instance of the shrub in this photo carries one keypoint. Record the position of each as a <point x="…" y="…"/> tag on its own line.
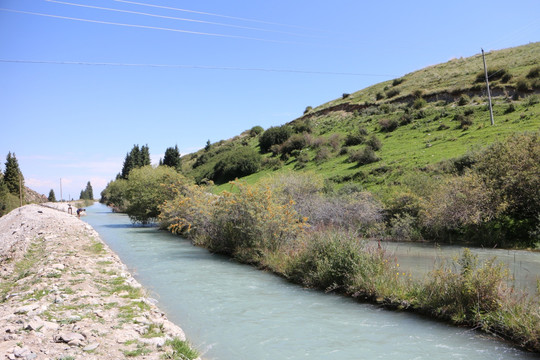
<point x="322" y="155"/>
<point x="392" y="92"/>
<point x="308" y="109"/>
<point x="388" y="125"/>
<point x="464" y="121"/>
<point x="506" y="78"/>
<point x="364" y="156"/>
<point x="256" y="130"/>
<point x="272" y="163"/>
<point x="442" y="127"/>
<point x="345" y="95"/>
<point x="114" y="194"/>
<point x="404" y="228"/>
<point x="522" y="85"/>
<point x="295" y="142"/>
<point x="335" y="141"/>
<point x="462" y="296"/>
<point x="464" y="100"/>
<point x="354" y="139"/>
<point x="510" y="109"/>
<point x="250" y="221"/>
<point x="235" y="164"/>
<point x="419" y="103"/>
<point x="532" y="100"/>
<point x="147" y="189"/>
<point x="405" y="119"/>
<point x="510" y="168"/>
<point x="493" y="74"/>
<point x="460" y="202"/>
<point x="379" y="96"/>
<point x="396" y="82"/>
<point x="374" y="142"/>
<point x="274" y="136"/>
<point x="329" y="260"/>
<point x="534" y="72"/>
<point x="303" y="126"/>
<point x="302" y="159"/>
<point x="189" y="212"/>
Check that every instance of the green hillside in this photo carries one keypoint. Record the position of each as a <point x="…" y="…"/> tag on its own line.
<point x="421" y="119"/>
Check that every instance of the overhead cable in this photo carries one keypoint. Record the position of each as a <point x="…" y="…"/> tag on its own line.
<point x="149" y="27"/>
<point x="177" y="18"/>
<point x="204" y="67"/>
<point x="212" y="14"/>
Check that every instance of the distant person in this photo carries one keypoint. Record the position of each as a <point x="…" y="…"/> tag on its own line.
<point x="70" y="210"/>
<point x="79" y="211"/>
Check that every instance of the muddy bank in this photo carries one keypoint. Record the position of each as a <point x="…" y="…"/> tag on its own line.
<point x="65" y="294"/>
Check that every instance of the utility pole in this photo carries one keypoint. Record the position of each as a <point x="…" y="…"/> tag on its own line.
<point x="61" y="190"/>
<point x="20" y="188"/>
<point x="489" y="93"/>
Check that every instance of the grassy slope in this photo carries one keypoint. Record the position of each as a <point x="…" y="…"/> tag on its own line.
<point x="432" y="136"/>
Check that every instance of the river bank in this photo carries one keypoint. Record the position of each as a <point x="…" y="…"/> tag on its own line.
<point x="66" y="295"/>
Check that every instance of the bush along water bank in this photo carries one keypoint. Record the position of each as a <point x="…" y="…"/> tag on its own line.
<point x="266" y="225"/>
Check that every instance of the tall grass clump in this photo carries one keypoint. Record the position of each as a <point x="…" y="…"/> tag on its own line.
<point x="327" y="260"/>
<point x="463" y="293"/>
<point x="340" y="260"/>
<point x="471" y="293"/>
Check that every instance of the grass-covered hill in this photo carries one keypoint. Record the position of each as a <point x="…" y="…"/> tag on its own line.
<point x="384" y="134"/>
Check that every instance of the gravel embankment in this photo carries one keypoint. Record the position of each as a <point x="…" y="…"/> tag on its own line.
<point x="65" y="295"/>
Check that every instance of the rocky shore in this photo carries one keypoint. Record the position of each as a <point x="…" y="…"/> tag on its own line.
<point x="65" y="295"/>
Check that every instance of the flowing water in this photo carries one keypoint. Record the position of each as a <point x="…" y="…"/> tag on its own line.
<point x="232" y="311"/>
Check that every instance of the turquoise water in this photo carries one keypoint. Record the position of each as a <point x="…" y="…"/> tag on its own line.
<point x="232" y="311"/>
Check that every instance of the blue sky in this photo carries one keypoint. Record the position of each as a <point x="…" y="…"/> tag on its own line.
<point x="231" y="65"/>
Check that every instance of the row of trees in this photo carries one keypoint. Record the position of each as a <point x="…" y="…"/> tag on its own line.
<point x="137" y="190"/>
<point x="87" y="193"/>
<point x="11" y="183"/>
<point x="140" y="156"/>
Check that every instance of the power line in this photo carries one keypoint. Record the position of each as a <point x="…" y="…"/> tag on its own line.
<point x="213" y="14"/>
<point x="177" y="18"/>
<point x="149" y="27"/>
<point x="203" y="67"/>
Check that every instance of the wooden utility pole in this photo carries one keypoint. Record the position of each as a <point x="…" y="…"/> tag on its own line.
<point x="20" y="188"/>
<point x="489" y="93"/>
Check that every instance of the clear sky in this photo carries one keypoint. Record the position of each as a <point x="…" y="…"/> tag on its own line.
<point x="72" y="102"/>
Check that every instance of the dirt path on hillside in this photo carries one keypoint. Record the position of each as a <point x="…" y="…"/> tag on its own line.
<point x="65" y="295"/>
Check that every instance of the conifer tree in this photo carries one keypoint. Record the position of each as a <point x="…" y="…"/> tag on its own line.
<point x="137" y="157"/>
<point x="52" y="197"/>
<point x="89" y="191"/>
<point x="144" y="156"/>
<point x="172" y="158"/>
<point x="13" y="175"/>
<point x="128" y="166"/>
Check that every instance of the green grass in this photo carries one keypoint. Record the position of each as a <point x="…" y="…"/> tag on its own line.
<point x="181" y="350"/>
<point x="96" y="247"/>
<point x="420" y="144"/>
<point x="433" y="134"/>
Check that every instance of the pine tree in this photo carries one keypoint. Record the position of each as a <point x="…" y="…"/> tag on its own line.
<point x="127" y="167"/>
<point x="52" y="197"/>
<point x="144" y="156"/>
<point x="136" y="158"/>
<point x="13" y="175"/>
<point x="172" y="158"/>
<point x="89" y="191"/>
